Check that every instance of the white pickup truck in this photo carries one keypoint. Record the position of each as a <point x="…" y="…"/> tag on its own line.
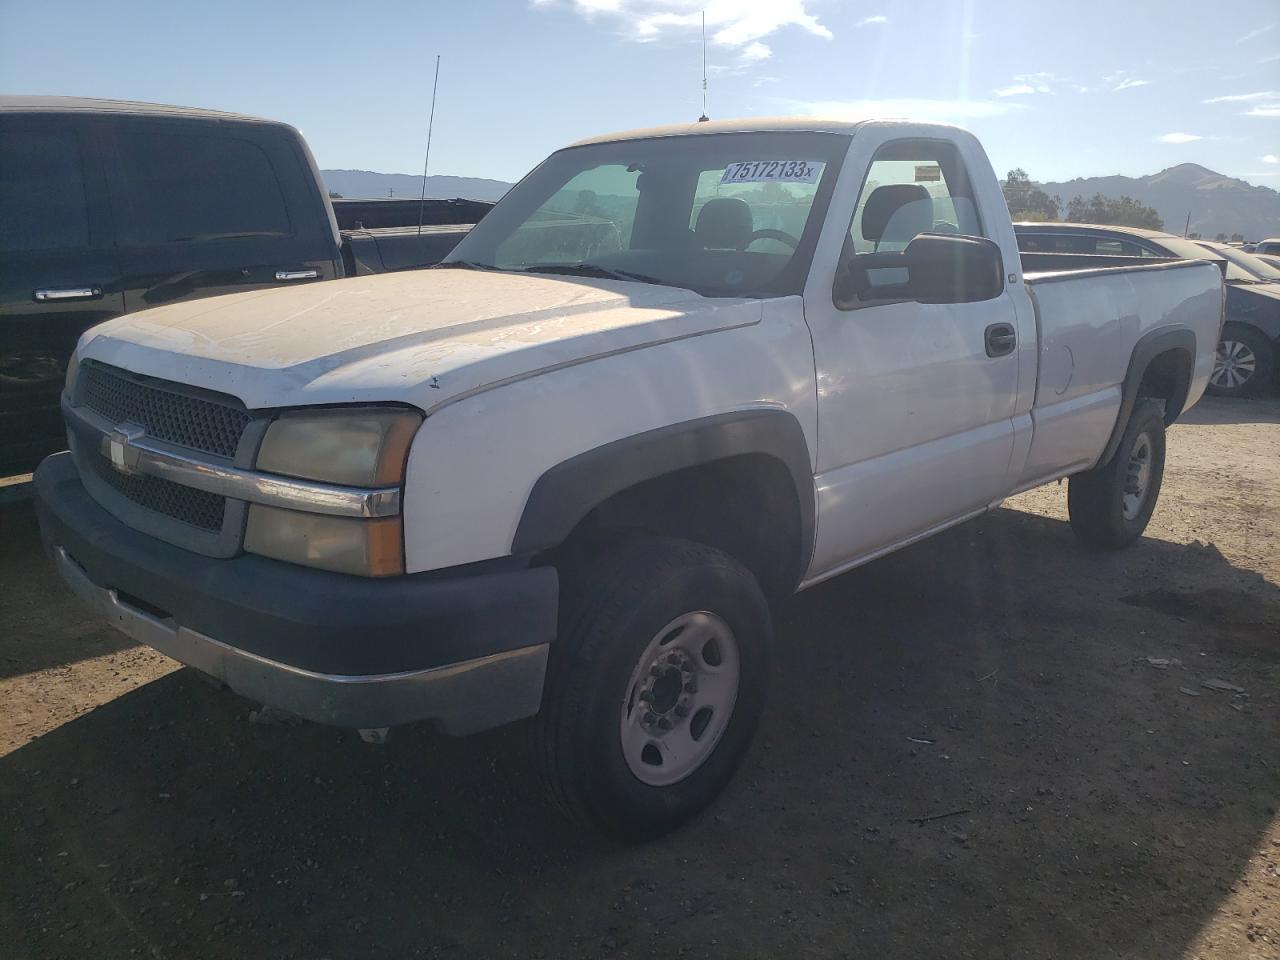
<point x="675" y="376"/>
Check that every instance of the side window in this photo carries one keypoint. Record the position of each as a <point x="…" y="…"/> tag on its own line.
<point x="182" y="187"/>
<point x="912" y="187"/>
<point x="1117" y="248"/>
<point x="42" y="200"/>
<point x="593" y="213"/>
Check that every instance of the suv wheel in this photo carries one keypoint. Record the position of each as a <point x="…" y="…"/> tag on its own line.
<point x="1245" y="362"/>
<point x="1111" y="504"/>
<point x="654" y="687"/>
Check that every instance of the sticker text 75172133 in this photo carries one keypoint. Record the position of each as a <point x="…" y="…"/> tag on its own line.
<point x="787" y="171"/>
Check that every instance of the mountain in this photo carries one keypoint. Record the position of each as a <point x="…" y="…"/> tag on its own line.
<point x="1217" y="203"/>
<point x="362" y="184"/>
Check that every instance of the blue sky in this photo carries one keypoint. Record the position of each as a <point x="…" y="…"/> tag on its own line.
<point x="1061" y="88"/>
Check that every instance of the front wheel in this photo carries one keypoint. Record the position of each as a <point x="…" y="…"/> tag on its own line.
<point x="1111" y="504"/>
<point x="655" y="685"/>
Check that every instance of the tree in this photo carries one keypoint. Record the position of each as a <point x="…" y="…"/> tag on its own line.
<point x="1221" y="238"/>
<point x="1026" y="200"/>
<point x="1124" y="212"/>
<point x="1237" y="238"/>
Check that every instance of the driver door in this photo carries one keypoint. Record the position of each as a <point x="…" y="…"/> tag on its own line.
<point x="915" y="413"/>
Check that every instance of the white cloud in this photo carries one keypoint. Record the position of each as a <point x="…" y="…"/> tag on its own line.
<point x="1270" y="59"/>
<point x="756" y="51"/>
<point x="1028" y="83"/>
<point x="1246" y="97"/>
<point x="1264" y="110"/>
<point x="1270" y="158"/>
<point x="730" y="23"/>
<point x="1179" y="138"/>
<point x="915" y="109"/>
<point x="869" y="21"/>
<point x="1129" y="84"/>
<point x="1256" y="33"/>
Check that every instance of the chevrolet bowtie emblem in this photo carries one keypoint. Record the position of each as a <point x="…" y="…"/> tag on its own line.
<point x="119" y="449"/>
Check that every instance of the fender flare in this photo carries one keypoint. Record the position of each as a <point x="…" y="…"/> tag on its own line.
<point x="567" y="492"/>
<point x="1148" y="347"/>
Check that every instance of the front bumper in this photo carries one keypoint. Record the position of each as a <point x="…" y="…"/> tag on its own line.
<point x="467" y="649"/>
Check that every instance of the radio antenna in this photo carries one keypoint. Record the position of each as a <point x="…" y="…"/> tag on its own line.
<point x="704" y="118"/>
<point x="422" y="200"/>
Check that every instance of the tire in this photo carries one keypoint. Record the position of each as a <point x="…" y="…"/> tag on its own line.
<point x="1111" y="504"/>
<point x="1245" y="363"/>
<point x="648" y="602"/>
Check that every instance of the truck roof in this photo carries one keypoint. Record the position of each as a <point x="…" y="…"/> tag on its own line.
<point x="42" y="104"/>
<point x="744" y="125"/>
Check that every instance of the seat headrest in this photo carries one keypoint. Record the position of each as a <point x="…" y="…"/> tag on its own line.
<point x="724" y="223"/>
<point x="884" y="202"/>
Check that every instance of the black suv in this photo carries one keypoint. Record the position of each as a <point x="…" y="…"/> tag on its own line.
<point x="108" y="208"/>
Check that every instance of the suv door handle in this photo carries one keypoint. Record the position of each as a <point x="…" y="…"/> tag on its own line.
<point x="297" y="274"/>
<point x="53" y="294"/>
<point x="1000" y="339"/>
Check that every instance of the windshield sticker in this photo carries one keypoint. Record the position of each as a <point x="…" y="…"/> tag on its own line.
<point x="786" y="171"/>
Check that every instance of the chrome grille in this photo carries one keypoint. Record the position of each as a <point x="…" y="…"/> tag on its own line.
<point x="169" y="415"/>
<point x="185" y="504"/>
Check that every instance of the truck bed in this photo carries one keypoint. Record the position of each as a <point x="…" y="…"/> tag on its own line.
<point x="1087" y="322"/>
<point x="387" y="249"/>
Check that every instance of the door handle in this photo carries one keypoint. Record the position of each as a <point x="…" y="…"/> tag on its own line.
<point x="297" y="274"/>
<point x="1000" y="339"/>
<point x="55" y="294"/>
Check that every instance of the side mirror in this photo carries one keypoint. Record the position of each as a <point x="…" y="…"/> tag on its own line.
<point x="934" y="268"/>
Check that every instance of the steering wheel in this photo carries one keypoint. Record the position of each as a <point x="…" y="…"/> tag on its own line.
<point x="780" y="235"/>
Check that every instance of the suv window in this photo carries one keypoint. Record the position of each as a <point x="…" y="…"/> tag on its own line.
<point x="912" y="187"/>
<point x="42" y="201"/>
<point x="1080" y="243"/>
<point x="186" y="186"/>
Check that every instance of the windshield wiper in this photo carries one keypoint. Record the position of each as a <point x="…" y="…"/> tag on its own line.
<point x="462" y="265"/>
<point x="592" y="270"/>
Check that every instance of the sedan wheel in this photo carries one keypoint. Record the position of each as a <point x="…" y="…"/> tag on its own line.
<point x="1235" y="365"/>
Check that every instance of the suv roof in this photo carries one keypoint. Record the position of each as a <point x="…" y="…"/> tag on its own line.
<point x="41" y="104"/>
<point x="1091" y="228"/>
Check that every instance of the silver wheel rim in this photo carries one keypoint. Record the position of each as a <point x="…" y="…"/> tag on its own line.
<point x="679" y="699"/>
<point x="1137" y="476"/>
<point x="1234" y="365"/>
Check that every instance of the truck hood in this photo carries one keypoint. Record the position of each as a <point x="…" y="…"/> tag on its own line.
<point x="422" y="337"/>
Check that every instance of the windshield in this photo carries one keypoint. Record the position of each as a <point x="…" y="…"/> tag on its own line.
<point x="734" y="214"/>
<point x="1249" y="267"/>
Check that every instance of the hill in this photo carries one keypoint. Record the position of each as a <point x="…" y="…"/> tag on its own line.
<point x="1217" y="203"/>
<point x="361" y="184"/>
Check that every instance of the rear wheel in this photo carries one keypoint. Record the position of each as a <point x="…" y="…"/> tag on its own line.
<point x="655" y="685"/>
<point x="1111" y="504"/>
<point x="1245" y="362"/>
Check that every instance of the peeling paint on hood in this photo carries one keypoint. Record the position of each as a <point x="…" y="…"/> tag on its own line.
<point x="421" y="337"/>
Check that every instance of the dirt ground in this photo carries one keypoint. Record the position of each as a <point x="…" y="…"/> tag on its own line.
<point x="1087" y="802"/>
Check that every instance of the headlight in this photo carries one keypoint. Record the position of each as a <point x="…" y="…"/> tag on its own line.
<point x="356" y="448"/>
<point x="348" y="447"/>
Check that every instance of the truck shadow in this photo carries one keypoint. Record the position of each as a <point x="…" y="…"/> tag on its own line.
<point x="994" y="678"/>
<point x="1217" y="411"/>
<point x="44" y="625"/>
